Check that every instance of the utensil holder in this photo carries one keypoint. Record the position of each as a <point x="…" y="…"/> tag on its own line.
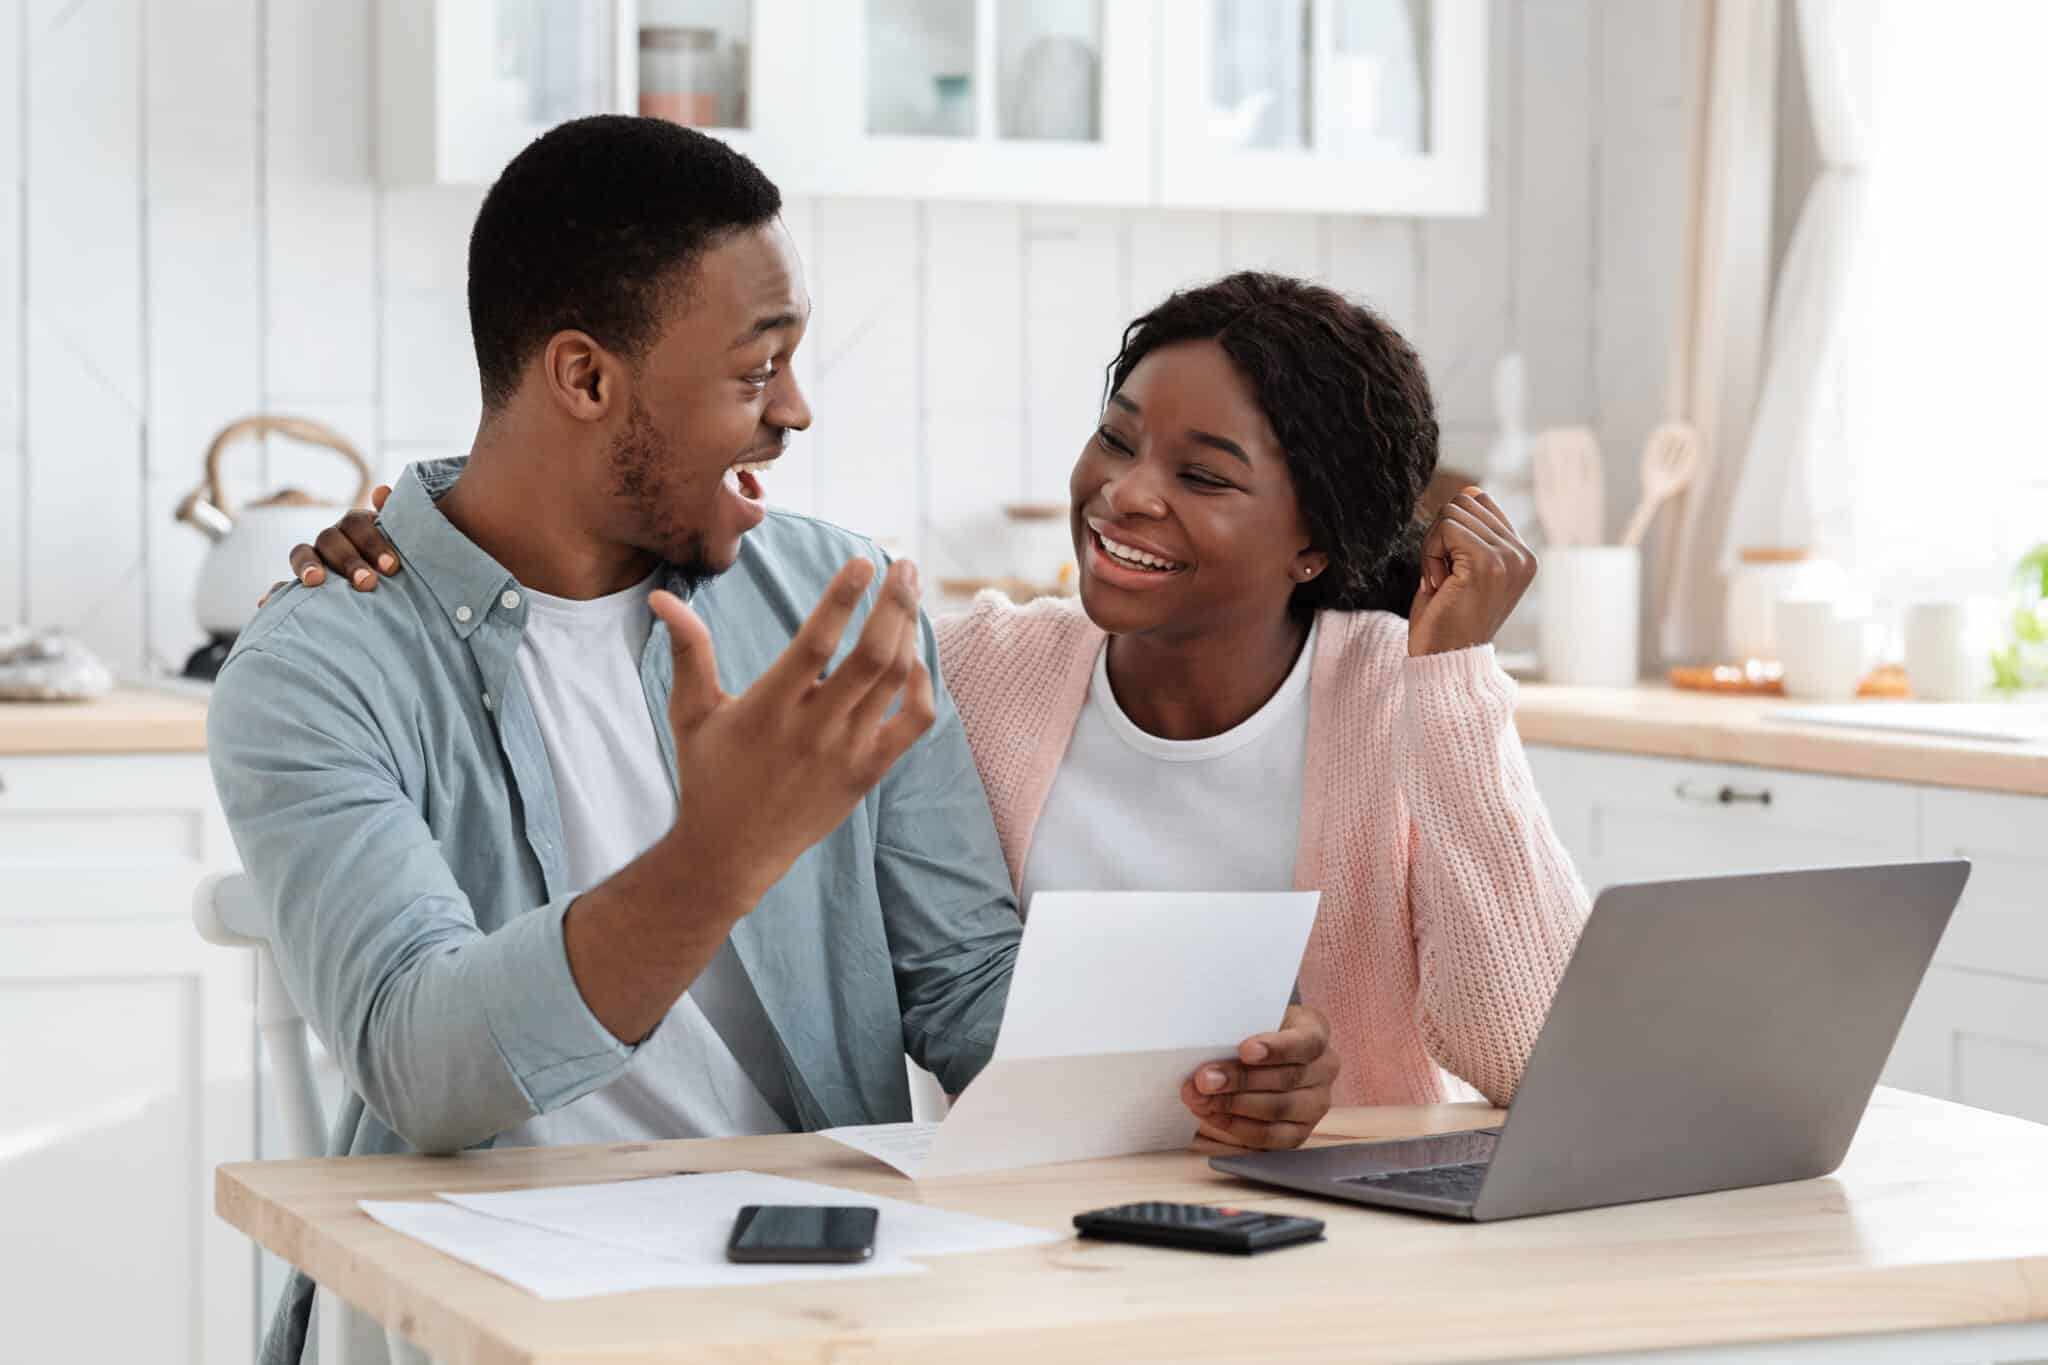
<point x="1591" y="597"/>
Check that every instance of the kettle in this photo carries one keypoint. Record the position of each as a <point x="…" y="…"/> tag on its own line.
<point x="250" y="547"/>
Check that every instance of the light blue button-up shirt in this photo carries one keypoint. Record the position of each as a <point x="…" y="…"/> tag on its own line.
<point x="388" y="790"/>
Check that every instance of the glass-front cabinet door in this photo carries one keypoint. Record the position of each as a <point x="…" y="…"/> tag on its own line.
<point x="1027" y="100"/>
<point x="464" y="85"/>
<point x="736" y="69"/>
<point x="1359" y="106"/>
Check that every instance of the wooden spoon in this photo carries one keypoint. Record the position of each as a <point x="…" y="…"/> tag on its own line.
<point x="1569" y="486"/>
<point x="1668" y="460"/>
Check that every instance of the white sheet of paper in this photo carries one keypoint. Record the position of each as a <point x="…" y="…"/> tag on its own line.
<point x="687" y="1218"/>
<point x="554" y="1265"/>
<point x="1168" y="979"/>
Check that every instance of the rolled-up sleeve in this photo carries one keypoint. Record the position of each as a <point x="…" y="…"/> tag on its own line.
<point x="946" y="899"/>
<point x="450" y="1035"/>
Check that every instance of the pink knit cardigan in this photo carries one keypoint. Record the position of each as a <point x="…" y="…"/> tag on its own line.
<point x="1448" y="906"/>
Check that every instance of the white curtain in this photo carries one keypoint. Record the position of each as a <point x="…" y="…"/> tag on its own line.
<point x="1726" y="288"/>
<point x="1797" y="477"/>
<point x="1942" y="483"/>
<point x="1898" y="428"/>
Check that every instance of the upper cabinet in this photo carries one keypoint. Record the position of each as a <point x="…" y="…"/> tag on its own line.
<point x="1362" y="106"/>
<point x="1324" y="106"/>
<point x="464" y="85"/>
<point x="1041" y="100"/>
<point x="738" y="69"/>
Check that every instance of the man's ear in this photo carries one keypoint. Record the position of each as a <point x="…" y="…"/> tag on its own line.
<point x="581" y="377"/>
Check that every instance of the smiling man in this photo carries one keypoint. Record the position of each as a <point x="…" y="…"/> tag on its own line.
<point x="541" y="872"/>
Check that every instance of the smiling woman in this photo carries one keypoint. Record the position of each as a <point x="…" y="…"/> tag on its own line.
<point x="1237" y="704"/>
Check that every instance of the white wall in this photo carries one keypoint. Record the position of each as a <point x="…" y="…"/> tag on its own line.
<point x="190" y="230"/>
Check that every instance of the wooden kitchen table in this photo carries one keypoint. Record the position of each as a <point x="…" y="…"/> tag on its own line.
<point x="1930" y="1244"/>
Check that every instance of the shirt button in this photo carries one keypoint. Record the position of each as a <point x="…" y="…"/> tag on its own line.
<point x="510" y="601"/>
<point x="462" y="613"/>
<point x="487" y="701"/>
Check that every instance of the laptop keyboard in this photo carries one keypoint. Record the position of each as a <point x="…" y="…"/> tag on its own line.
<point x="1439" y="1182"/>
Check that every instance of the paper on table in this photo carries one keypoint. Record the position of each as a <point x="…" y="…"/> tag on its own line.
<point x="687" y="1218"/>
<point x="553" y="1265"/>
<point x="1171" y="980"/>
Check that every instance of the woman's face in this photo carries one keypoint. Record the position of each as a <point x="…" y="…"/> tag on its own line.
<point x="1184" y="512"/>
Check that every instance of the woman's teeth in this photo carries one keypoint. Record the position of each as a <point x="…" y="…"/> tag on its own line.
<point x="1134" y="558"/>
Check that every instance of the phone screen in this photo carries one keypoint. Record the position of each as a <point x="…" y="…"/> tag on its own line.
<point x="802" y="1232"/>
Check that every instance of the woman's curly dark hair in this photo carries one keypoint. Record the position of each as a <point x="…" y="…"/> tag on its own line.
<point x="1347" y="397"/>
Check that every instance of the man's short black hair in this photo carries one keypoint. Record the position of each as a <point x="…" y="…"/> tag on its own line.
<point x="594" y="227"/>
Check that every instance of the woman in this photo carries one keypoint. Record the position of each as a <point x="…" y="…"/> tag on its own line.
<point x="1235" y="701"/>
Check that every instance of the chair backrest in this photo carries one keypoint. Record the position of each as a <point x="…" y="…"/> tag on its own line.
<point x="227" y="911"/>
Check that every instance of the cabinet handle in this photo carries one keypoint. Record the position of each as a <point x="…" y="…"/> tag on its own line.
<point x="1723" y="795"/>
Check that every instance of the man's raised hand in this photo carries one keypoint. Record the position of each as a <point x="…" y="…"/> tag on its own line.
<point x="764" y="775"/>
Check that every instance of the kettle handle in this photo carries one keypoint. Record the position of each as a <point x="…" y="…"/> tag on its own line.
<point x="299" y="428"/>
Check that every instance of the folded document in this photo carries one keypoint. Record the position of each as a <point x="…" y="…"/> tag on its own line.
<point x="1117" y="997"/>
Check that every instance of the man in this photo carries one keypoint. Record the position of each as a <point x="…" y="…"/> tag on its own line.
<point x="540" y="872"/>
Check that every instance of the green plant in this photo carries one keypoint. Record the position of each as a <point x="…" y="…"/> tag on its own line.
<point x="2022" y="661"/>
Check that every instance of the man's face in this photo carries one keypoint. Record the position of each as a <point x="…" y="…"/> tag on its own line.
<point x="712" y="402"/>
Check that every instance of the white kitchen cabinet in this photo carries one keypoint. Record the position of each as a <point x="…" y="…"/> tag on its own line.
<point x="1978" y="1032"/>
<point x="1307" y="106"/>
<point x="1044" y="101"/>
<point x="1978" y="1029"/>
<point x="1324" y="106"/>
<point x="464" y="85"/>
<point x="128" y="1067"/>
<point x="1630" y="818"/>
<point x="2002" y="924"/>
<point x="1978" y="1038"/>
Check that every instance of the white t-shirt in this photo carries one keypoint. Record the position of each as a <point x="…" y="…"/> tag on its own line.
<point x="580" y="663"/>
<point x="1130" y="811"/>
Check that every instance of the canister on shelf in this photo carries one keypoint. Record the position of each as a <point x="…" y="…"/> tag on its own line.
<point x="679" y="75"/>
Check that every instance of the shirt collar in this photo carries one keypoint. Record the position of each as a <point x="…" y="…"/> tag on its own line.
<point x="463" y="579"/>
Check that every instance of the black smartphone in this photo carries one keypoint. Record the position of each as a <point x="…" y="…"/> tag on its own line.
<point x="804" y="1233"/>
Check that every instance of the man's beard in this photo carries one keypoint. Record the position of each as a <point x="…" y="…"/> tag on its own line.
<point x="635" y="469"/>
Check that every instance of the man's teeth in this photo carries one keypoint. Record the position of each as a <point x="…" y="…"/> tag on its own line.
<point x="1136" y="558"/>
<point x="757" y="468"/>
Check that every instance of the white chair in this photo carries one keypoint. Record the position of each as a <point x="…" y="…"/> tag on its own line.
<point x="226" y="911"/>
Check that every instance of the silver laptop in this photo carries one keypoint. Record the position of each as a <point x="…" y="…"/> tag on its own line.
<point x="1708" y="1034"/>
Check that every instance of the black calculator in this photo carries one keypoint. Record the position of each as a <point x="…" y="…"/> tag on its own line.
<point x="1198" y="1227"/>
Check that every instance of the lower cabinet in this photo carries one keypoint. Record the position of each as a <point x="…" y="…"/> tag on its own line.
<point x="127" y="1067"/>
<point x="1979" y="1039"/>
<point x="1978" y="1029"/>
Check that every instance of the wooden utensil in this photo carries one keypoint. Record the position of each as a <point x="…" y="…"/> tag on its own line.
<point x="1570" y="488"/>
<point x="1668" y="460"/>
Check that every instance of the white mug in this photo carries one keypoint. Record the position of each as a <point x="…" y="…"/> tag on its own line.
<point x="1587" y="633"/>
<point x="1945" y="660"/>
<point x="1825" y="647"/>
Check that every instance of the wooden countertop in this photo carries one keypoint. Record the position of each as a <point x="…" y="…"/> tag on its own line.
<point x="1663" y="721"/>
<point x="1937" y="1220"/>
<point x="125" y="721"/>
<point x="1650" y="719"/>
